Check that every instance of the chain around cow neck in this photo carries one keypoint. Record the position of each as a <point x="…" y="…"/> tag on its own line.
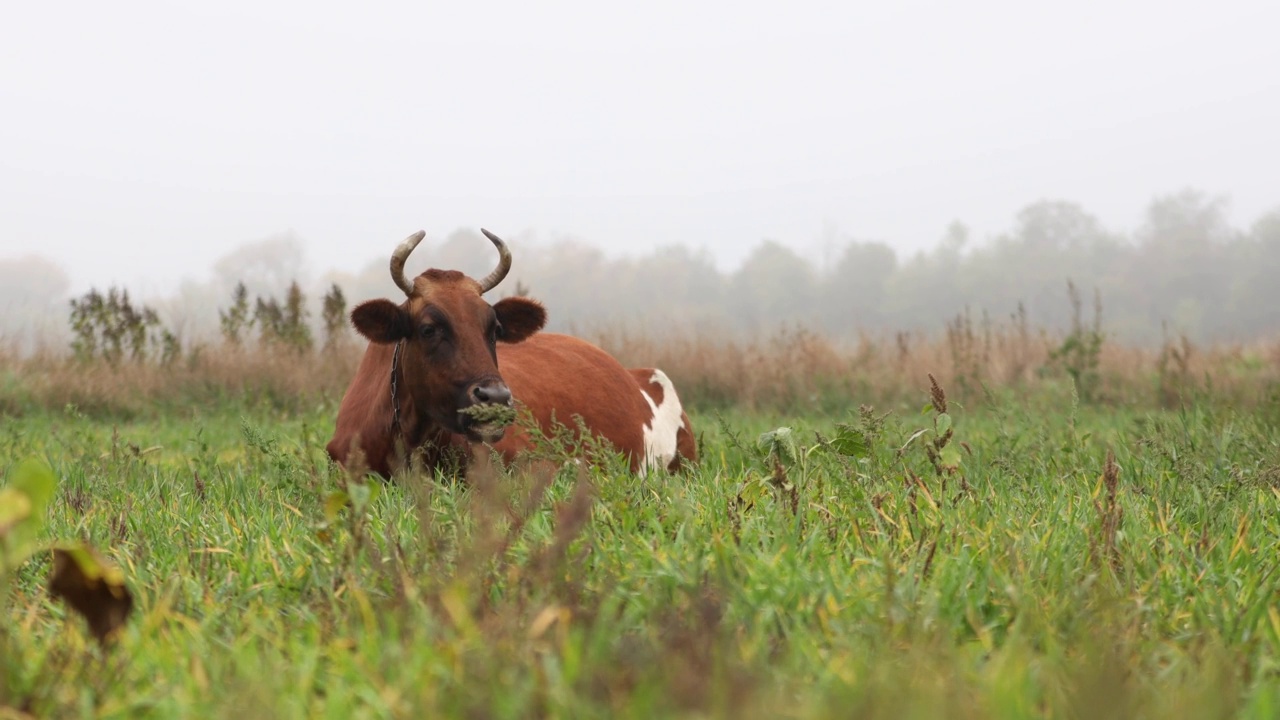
<point x="397" y="432"/>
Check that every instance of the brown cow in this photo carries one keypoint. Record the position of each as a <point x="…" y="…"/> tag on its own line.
<point x="439" y="353"/>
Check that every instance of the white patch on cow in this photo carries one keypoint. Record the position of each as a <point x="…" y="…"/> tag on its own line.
<point x="660" y="431"/>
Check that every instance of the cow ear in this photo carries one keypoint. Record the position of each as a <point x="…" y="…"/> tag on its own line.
<point x="520" y="317"/>
<point x="382" y="321"/>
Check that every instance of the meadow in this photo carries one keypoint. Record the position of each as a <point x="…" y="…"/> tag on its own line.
<point x="1051" y="530"/>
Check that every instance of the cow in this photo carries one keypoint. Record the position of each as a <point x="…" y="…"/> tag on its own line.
<point x="443" y="353"/>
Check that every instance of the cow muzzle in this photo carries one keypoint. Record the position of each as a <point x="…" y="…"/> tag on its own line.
<point x="489" y="413"/>
<point x="491" y="393"/>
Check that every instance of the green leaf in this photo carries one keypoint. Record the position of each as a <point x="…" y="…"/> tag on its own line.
<point x="780" y="443"/>
<point x="942" y="423"/>
<point x="23" y="504"/>
<point x="949" y="457"/>
<point x="361" y="495"/>
<point x="37" y="481"/>
<point x="752" y="490"/>
<point x="334" y="503"/>
<point x="15" y="509"/>
<point x="850" y="441"/>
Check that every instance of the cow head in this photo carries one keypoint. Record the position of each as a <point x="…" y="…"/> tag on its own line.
<point x="448" y="357"/>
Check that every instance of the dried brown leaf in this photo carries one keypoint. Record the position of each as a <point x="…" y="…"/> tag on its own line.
<point x="93" y="586"/>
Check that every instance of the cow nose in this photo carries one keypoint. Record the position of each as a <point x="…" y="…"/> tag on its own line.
<point x="491" y="393"/>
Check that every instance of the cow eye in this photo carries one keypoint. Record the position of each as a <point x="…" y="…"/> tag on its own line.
<point x="427" y="331"/>
<point x="496" y="332"/>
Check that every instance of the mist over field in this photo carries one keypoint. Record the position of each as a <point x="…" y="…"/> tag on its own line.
<point x="1186" y="270"/>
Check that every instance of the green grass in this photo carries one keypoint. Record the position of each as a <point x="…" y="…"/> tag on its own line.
<point x="703" y="594"/>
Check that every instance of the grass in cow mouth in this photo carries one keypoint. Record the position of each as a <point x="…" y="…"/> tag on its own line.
<point x="964" y="562"/>
<point x="490" y="414"/>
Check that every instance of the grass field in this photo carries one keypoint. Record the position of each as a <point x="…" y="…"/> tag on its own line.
<point x="840" y="572"/>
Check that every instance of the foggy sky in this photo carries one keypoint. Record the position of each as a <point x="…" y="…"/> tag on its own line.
<point x="142" y="141"/>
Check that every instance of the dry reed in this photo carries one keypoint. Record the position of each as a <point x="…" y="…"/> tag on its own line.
<point x="791" y="370"/>
<point x="285" y="380"/>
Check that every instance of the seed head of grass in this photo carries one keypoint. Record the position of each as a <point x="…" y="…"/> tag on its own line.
<point x="491" y="414"/>
<point x="936" y="395"/>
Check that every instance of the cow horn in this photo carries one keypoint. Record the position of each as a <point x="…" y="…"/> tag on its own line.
<point x="504" y="263"/>
<point x="399" y="256"/>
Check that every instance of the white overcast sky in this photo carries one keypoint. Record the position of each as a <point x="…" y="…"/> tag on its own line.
<point x="139" y="142"/>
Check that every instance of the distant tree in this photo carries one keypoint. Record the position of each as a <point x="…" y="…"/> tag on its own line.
<point x="268" y="315"/>
<point x="32" y="282"/>
<point x="266" y="267"/>
<point x="1266" y="231"/>
<point x="333" y="314"/>
<point x="371" y="281"/>
<point x="927" y="290"/>
<point x="573" y="279"/>
<point x="1053" y="242"/>
<point x="465" y="250"/>
<point x="1181" y="271"/>
<point x="295" y="318"/>
<point x="283" y="323"/>
<point x="33" y="291"/>
<point x="853" y="291"/>
<point x="773" y="286"/>
<point x="1255" y="292"/>
<point x="106" y="325"/>
<point x="674" y="288"/>
<point x="235" y="319"/>
<point x="1186" y="219"/>
<point x="1056" y="225"/>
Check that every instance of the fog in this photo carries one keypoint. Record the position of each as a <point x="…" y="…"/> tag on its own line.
<point x="1186" y="273"/>
<point x="144" y="142"/>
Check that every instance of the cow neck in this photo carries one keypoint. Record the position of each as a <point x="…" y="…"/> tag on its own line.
<point x="417" y="434"/>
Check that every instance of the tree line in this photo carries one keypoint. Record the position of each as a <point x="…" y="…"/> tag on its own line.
<point x="1184" y="271"/>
